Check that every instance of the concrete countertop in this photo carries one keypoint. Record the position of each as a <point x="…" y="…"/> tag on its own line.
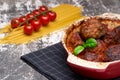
<point x="11" y="67"/>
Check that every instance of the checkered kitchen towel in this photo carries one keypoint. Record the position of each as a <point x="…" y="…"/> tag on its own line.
<point x="51" y="62"/>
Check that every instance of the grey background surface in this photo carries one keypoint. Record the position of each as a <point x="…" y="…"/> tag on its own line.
<point x="11" y="67"/>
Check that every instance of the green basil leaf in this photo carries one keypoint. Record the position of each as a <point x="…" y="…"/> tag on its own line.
<point x="78" y="50"/>
<point x="91" y="42"/>
<point x="84" y="45"/>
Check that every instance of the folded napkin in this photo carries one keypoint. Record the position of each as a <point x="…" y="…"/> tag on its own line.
<point x="51" y="62"/>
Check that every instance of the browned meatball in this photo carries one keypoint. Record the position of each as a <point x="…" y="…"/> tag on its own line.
<point x="100" y="48"/>
<point x="113" y="52"/>
<point x="93" y="28"/>
<point x="97" y="53"/>
<point x="73" y="41"/>
<point x="90" y="56"/>
<point x="113" y="37"/>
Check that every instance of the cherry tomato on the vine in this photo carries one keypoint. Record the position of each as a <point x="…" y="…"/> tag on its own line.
<point x="22" y="19"/>
<point x="44" y="20"/>
<point x="28" y="29"/>
<point x="36" y="24"/>
<point x="52" y="15"/>
<point x="30" y="15"/>
<point x="15" y="22"/>
<point x="36" y="12"/>
<point x="33" y="21"/>
<point x="43" y="8"/>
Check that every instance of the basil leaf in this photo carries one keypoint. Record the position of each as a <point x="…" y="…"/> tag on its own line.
<point x="84" y="45"/>
<point x="91" y="42"/>
<point x="78" y="50"/>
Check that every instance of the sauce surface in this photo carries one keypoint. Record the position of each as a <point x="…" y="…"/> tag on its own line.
<point x="105" y="31"/>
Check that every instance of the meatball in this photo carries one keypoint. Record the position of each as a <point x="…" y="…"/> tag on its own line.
<point x="75" y="39"/>
<point x="112" y="37"/>
<point x="90" y="56"/>
<point x="100" y="48"/>
<point x="113" y="52"/>
<point x="93" y="28"/>
<point x="97" y="53"/>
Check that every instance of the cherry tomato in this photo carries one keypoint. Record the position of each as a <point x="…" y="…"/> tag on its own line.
<point x="44" y="20"/>
<point x="30" y="15"/>
<point x="22" y="19"/>
<point x="52" y="15"/>
<point x="36" y="12"/>
<point x="36" y="24"/>
<point x="43" y="8"/>
<point x="15" y="22"/>
<point x="28" y="29"/>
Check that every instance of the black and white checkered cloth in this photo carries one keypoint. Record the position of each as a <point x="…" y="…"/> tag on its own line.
<point x="51" y="62"/>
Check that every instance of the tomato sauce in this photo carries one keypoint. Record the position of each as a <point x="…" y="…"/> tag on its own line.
<point x="108" y="42"/>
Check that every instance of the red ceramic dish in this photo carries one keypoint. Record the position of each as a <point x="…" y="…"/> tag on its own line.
<point x="99" y="70"/>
